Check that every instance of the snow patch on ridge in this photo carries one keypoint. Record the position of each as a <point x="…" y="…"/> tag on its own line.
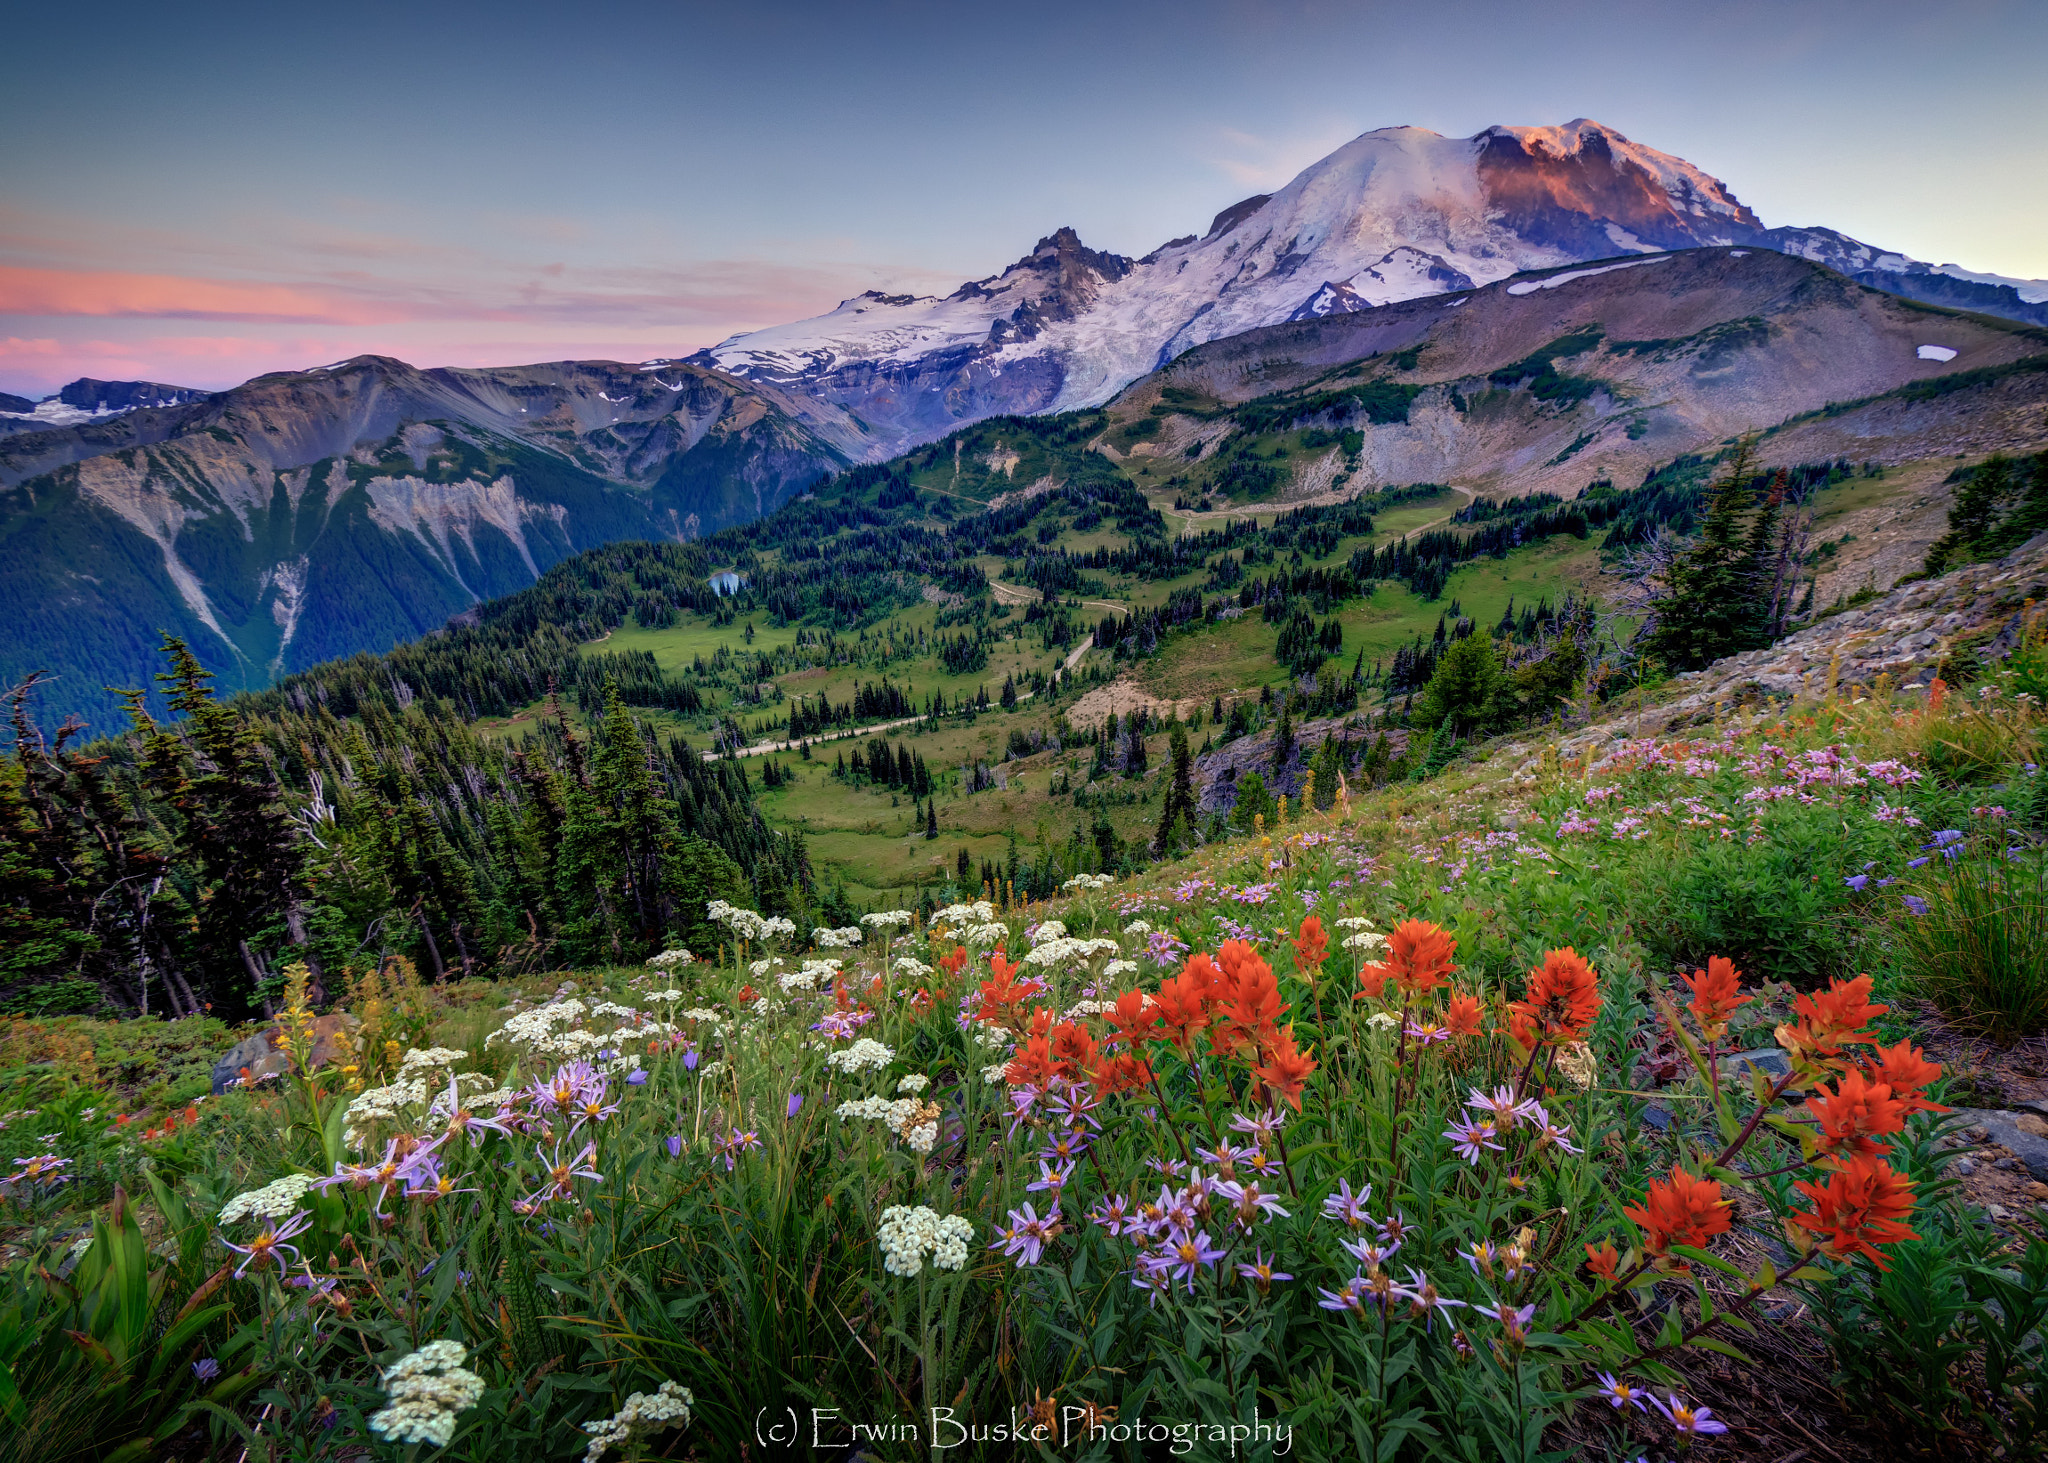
<point x="1530" y="286"/>
<point x="1935" y="353"/>
<point x="56" y="413"/>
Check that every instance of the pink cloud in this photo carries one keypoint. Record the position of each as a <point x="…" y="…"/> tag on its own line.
<point x="47" y="292"/>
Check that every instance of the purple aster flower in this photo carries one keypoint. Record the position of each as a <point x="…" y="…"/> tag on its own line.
<point x="1075" y="1105"/>
<point x="1349" y="1298"/>
<point x="1051" y="1178"/>
<point x="1348" y="1207"/>
<point x="732" y="1146"/>
<point x="271" y="1244"/>
<point x="1261" y="1127"/>
<point x="1688" y="1420"/>
<point x="590" y="1106"/>
<point x="1620" y="1394"/>
<point x="1482" y="1257"/>
<point x="1505" y="1109"/>
<point x="1471" y="1138"/>
<point x="1251" y="1202"/>
<point x="1423" y="1300"/>
<point x="1515" y="1320"/>
<point x="1224" y="1156"/>
<point x="1261" y="1272"/>
<point x="1027" y="1236"/>
<point x="205" y="1369"/>
<point x="1190" y="1253"/>
<point x="560" y="1171"/>
<point x="1113" y="1213"/>
<point x="1369" y="1253"/>
<point x="1065" y="1146"/>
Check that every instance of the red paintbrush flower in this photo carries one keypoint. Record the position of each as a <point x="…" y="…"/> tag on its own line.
<point x="1419" y="958"/>
<point x="1136" y="1019"/>
<point x="1682" y="1210"/>
<point x="1311" y="948"/>
<point x="1830" y="1020"/>
<point x="1855" y="1115"/>
<point x="1563" y="998"/>
<point x="1285" y="1070"/>
<point x="1461" y="1016"/>
<point x="1716" y="992"/>
<point x="1903" y="1069"/>
<point x="1859" y="1208"/>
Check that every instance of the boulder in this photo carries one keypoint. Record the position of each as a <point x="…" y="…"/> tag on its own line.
<point x="1769" y="1060"/>
<point x="334" y="1040"/>
<point x="251" y="1052"/>
<point x="2008" y="1132"/>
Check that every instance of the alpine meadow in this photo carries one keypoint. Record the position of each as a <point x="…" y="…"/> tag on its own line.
<point x="1408" y="828"/>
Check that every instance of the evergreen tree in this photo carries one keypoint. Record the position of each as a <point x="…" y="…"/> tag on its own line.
<point x="1329" y="758"/>
<point x="1176" y="817"/>
<point x="1973" y="526"/>
<point x="2029" y="515"/>
<point x="1134" y="746"/>
<point x="1465" y="690"/>
<point x="217" y="790"/>
<point x="1709" y="607"/>
<point x="931" y="820"/>
<point x="1253" y="802"/>
<point x="1283" y="735"/>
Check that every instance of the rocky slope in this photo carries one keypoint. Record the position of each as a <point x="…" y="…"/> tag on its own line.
<point x="1547" y="382"/>
<point x="1975" y="614"/>
<point x="1394" y="215"/>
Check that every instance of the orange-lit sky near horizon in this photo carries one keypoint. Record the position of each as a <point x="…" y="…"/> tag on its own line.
<point x="201" y="194"/>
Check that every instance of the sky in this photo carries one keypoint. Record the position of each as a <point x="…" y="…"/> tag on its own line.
<point x="199" y="194"/>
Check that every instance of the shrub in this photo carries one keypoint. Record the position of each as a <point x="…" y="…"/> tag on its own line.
<point x="1979" y="952"/>
<point x="1948" y="1345"/>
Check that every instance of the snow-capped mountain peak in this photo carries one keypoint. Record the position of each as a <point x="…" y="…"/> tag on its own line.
<point x="1395" y="214"/>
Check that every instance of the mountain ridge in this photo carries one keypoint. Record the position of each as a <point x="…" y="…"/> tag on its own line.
<point x="1395" y="214"/>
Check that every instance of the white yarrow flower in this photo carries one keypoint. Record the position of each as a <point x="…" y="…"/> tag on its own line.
<point x="426" y="1390"/>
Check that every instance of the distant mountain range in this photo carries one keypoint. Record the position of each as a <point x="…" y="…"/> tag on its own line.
<point x="311" y="514"/>
<point x="1394" y="215"/>
<point x="314" y="514"/>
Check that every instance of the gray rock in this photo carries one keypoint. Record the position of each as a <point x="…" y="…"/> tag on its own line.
<point x="249" y="1053"/>
<point x="1657" y="1116"/>
<point x="1768" y="1060"/>
<point x="2002" y="1128"/>
<point x="1966" y="1166"/>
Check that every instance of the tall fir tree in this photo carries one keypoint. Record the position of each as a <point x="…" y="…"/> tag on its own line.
<point x="1708" y="607"/>
<point x="1177" y="816"/>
